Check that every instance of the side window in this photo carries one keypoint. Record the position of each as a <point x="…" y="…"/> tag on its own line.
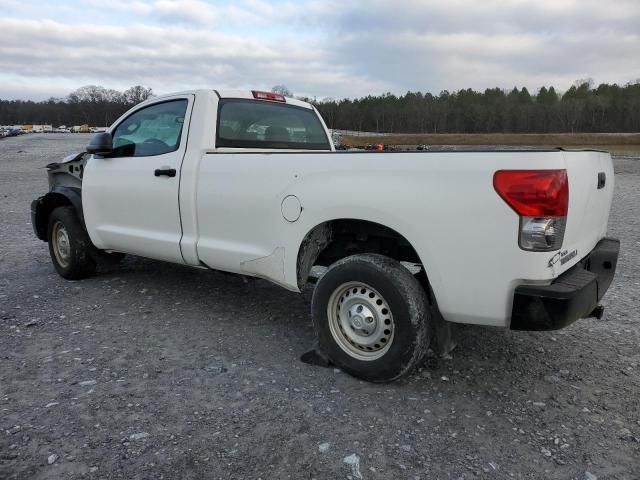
<point x="153" y="130"/>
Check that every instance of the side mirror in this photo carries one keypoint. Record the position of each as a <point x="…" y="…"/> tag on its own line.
<point x="101" y="144"/>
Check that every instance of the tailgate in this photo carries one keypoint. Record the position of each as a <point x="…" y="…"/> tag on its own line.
<point x="591" y="180"/>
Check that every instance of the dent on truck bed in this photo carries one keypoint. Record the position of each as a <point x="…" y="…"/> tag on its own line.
<point x="270" y="267"/>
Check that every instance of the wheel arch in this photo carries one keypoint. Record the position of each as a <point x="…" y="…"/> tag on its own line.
<point x="57" y="197"/>
<point x="334" y="239"/>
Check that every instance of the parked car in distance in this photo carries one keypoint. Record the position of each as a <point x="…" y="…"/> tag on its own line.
<point x="12" y="132"/>
<point x="249" y="182"/>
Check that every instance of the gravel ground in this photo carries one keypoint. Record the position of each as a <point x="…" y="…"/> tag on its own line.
<point x="155" y="371"/>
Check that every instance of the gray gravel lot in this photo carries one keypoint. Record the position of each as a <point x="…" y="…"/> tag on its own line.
<point x="155" y="371"/>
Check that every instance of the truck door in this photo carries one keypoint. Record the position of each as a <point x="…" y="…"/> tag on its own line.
<point x="130" y="197"/>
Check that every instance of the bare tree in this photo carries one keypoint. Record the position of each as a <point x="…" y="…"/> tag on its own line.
<point x="137" y="94"/>
<point x="282" y="90"/>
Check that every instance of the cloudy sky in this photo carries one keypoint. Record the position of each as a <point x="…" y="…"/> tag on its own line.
<point x="323" y="48"/>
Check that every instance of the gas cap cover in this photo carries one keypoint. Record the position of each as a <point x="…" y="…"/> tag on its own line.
<point x="291" y="208"/>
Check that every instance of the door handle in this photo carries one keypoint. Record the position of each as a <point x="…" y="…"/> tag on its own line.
<point x="167" y="172"/>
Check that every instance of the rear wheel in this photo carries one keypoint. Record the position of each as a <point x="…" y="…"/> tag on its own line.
<point x="70" y="248"/>
<point x="371" y="317"/>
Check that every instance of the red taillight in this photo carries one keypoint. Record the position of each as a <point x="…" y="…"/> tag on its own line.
<point x="274" y="97"/>
<point x="534" y="193"/>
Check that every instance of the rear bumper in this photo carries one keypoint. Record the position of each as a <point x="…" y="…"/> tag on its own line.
<point x="573" y="295"/>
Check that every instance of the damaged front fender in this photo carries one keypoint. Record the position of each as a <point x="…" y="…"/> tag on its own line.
<point x="65" y="188"/>
<point x="68" y="172"/>
<point x="42" y="207"/>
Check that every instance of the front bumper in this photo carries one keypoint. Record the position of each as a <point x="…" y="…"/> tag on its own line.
<point x="574" y="294"/>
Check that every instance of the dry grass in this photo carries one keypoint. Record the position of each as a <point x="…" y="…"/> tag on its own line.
<point x="618" y="142"/>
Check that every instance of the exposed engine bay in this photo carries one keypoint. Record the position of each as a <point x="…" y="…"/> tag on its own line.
<point x="68" y="172"/>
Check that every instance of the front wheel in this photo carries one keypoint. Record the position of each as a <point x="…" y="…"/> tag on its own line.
<point x="371" y="317"/>
<point x="70" y="248"/>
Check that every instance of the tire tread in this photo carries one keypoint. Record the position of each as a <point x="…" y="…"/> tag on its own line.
<point x="83" y="252"/>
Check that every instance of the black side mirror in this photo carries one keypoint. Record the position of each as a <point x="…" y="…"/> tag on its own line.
<point x="101" y="144"/>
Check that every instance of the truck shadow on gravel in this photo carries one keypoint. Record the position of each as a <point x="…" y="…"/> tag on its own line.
<point x="271" y="321"/>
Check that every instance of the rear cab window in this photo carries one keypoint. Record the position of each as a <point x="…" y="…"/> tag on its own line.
<point x="244" y="123"/>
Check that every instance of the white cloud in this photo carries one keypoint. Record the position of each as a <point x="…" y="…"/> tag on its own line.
<point x="166" y="58"/>
<point x="323" y="48"/>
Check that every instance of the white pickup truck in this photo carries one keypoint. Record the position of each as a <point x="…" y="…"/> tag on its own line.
<point x="249" y="182"/>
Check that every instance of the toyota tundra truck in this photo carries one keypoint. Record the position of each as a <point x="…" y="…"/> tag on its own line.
<point x="249" y="182"/>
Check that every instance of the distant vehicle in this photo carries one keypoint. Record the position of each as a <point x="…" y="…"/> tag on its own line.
<point x="98" y="129"/>
<point x="47" y="128"/>
<point x="8" y="132"/>
<point x="397" y="240"/>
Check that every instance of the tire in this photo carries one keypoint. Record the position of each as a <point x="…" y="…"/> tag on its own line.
<point x="371" y="317"/>
<point x="71" y="250"/>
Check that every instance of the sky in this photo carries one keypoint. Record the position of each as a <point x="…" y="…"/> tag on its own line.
<point x="317" y="48"/>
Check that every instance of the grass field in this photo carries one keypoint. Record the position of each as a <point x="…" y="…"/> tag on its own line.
<point x="614" y="142"/>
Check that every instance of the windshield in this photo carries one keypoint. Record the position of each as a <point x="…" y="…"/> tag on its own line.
<point x="260" y="124"/>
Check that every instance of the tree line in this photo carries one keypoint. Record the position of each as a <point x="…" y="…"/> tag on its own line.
<point x="582" y="108"/>
<point x="92" y="105"/>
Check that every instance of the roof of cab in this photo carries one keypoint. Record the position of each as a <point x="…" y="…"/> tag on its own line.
<point x="247" y="94"/>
